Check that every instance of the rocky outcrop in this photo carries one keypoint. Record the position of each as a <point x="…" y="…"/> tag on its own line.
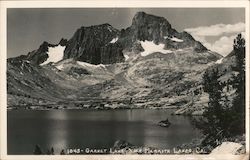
<point x="159" y="30"/>
<point x="87" y="43"/>
<point x="150" y="27"/>
<point x="78" y="71"/>
<point x="40" y="55"/>
<point x="230" y="148"/>
<point x="63" y="42"/>
<point x="121" y="144"/>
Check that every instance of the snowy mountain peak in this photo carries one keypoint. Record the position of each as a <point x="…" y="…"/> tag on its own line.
<point x="104" y="44"/>
<point x="142" y="18"/>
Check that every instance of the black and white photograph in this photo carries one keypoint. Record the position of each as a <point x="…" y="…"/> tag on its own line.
<point x="127" y="81"/>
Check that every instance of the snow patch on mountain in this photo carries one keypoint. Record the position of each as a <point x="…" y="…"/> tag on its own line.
<point x="126" y="57"/>
<point x="219" y="61"/>
<point x="114" y="40"/>
<point x="150" y="47"/>
<point x="173" y="39"/>
<point x="84" y="64"/>
<point x="55" y="54"/>
<point x="60" y="67"/>
<point x="176" y="39"/>
<point x="110" y="29"/>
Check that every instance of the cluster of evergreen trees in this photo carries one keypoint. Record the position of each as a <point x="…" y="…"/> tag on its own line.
<point x="224" y="118"/>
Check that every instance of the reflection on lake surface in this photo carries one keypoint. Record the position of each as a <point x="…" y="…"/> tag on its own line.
<point x="64" y="129"/>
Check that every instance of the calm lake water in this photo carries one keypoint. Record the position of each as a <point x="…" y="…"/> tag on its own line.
<point x="64" y="129"/>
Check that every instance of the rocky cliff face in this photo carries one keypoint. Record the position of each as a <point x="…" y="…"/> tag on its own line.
<point x="40" y="55"/>
<point x="112" y="53"/>
<point x="88" y="44"/>
<point x="147" y="27"/>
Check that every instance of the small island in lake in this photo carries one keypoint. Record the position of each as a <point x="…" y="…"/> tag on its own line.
<point x="164" y="123"/>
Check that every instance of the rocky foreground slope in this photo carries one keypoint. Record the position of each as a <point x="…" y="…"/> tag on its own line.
<point x="147" y="65"/>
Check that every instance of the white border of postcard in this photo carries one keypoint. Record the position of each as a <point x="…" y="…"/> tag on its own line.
<point x="112" y="4"/>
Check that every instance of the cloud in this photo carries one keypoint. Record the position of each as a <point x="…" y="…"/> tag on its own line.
<point x="223" y="36"/>
<point x="217" y="29"/>
<point x="224" y="45"/>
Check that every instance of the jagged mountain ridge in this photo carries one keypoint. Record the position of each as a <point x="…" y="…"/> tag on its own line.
<point x="93" y="64"/>
<point x="159" y="30"/>
<point x="103" y="44"/>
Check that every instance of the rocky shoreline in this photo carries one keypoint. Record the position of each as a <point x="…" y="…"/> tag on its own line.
<point x="100" y="107"/>
<point x="182" y="105"/>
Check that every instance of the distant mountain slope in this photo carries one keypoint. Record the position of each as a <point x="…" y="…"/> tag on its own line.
<point x="30" y="84"/>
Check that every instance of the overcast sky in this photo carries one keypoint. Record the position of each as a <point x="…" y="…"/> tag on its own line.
<point x="28" y="28"/>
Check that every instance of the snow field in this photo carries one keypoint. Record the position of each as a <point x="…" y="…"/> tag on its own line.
<point x="150" y="47"/>
<point x="55" y="54"/>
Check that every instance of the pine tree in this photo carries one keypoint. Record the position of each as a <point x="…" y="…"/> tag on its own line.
<point x="216" y="118"/>
<point x="52" y="151"/>
<point x="214" y="111"/>
<point x="224" y="118"/>
<point x="238" y="108"/>
<point x="37" y="150"/>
